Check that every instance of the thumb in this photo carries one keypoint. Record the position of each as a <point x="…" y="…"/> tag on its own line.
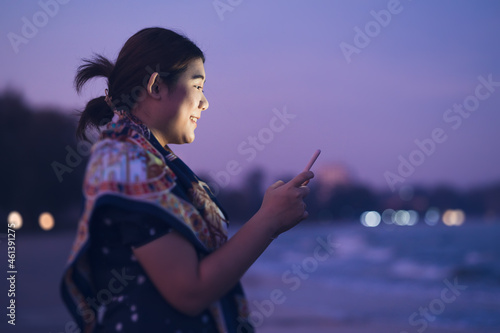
<point x="277" y="184"/>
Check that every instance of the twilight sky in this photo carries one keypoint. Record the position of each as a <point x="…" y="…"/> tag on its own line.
<point x="371" y="83"/>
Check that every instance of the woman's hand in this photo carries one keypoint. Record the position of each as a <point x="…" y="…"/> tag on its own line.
<point x="283" y="203"/>
<point x="191" y="285"/>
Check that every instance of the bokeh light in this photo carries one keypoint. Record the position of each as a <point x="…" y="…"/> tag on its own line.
<point x="46" y="221"/>
<point x="401" y="217"/>
<point x="370" y="219"/>
<point x="16" y="219"/>
<point x="413" y="217"/>
<point x="432" y="216"/>
<point x="387" y="216"/>
<point x="454" y="217"/>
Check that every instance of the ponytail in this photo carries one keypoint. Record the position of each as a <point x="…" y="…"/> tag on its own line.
<point x="97" y="112"/>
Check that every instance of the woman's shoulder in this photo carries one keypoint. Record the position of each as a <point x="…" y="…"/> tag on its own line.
<point x="124" y="161"/>
<point x="109" y="147"/>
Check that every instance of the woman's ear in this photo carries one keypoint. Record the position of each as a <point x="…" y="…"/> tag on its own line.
<point x="153" y="87"/>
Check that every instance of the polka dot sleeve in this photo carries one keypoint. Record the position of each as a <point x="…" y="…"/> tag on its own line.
<point x="134" y="229"/>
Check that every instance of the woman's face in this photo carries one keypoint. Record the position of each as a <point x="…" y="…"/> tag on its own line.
<point x="182" y="106"/>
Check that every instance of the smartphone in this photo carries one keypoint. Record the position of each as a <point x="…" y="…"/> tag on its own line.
<point x="312" y="160"/>
<point x="310" y="164"/>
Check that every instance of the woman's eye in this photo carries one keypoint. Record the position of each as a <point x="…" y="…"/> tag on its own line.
<point x="199" y="87"/>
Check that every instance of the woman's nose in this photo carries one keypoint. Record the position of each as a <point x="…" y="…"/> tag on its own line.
<point x="204" y="103"/>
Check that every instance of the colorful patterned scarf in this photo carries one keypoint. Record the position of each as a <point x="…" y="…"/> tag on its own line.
<point x="128" y="164"/>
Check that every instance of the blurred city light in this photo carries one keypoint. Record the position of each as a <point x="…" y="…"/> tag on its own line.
<point x="401" y="217"/>
<point x="46" y="221"/>
<point x="387" y="215"/>
<point x="432" y="216"/>
<point x="370" y="219"/>
<point x="413" y="217"/>
<point x="454" y="217"/>
<point x="16" y="219"/>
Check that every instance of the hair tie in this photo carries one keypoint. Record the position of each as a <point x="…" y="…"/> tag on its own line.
<point x="108" y="100"/>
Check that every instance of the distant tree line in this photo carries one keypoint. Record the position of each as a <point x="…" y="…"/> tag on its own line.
<point x="42" y="169"/>
<point x="348" y="201"/>
<point x="31" y="141"/>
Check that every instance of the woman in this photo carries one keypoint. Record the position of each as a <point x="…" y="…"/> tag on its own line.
<point x="151" y="253"/>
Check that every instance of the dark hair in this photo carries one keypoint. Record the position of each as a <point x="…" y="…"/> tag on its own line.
<point x="149" y="50"/>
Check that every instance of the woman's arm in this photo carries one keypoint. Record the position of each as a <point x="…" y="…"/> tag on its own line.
<point x="191" y="285"/>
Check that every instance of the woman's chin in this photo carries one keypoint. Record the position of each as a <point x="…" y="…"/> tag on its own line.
<point x="189" y="139"/>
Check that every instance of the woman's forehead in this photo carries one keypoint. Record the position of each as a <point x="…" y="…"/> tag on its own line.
<point x="196" y="69"/>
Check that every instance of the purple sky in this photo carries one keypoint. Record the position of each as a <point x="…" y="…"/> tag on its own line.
<point x="279" y="55"/>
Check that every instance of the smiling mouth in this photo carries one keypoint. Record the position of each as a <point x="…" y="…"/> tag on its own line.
<point x="193" y="119"/>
